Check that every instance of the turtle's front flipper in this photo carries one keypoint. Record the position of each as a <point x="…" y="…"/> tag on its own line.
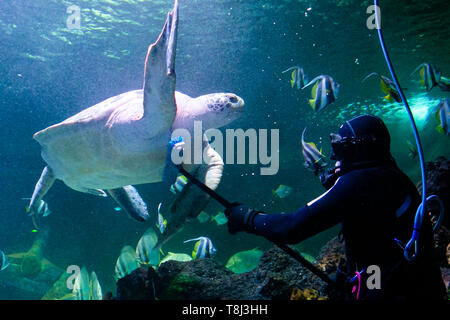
<point x="192" y="200"/>
<point x="159" y="77"/>
<point x="42" y="186"/>
<point x="131" y="202"/>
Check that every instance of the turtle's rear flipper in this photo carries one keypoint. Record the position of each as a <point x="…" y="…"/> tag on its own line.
<point x="42" y="186"/>
<point x="131" y="202"/>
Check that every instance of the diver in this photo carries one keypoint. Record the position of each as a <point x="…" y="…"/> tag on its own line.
<point x="374" y="202"/>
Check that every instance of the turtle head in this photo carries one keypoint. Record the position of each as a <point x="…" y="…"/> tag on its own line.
<point x="213" y="110"/>
<point x="221" y="109"/>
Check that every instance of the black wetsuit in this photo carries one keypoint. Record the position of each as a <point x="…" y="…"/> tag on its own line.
<point x="367" y="202"/>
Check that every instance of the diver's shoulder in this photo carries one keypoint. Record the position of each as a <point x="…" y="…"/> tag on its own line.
<point x="376" y="172"/>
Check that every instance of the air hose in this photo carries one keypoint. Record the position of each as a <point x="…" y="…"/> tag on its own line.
<point x="421" y="209"/>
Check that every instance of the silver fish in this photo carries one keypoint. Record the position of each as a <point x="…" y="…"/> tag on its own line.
<point x="126" y="263"/>
<point x="146" y="251"/>
<point x="85" y="287"/>
<point x="81" y="289"/>
<point x="95" y="288"/>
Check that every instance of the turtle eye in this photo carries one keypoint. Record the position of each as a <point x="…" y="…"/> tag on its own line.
<point x="233" y="99"/>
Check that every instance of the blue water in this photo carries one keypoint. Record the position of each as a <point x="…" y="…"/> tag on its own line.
<point x="49" y="73"/>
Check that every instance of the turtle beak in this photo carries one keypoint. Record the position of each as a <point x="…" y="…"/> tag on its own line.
<point x="237" y="103"/>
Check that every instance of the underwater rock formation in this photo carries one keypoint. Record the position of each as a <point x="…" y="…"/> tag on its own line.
<point x="141" y="284"/>
<point x="204" y="279"/>
<point x="438" y="183"/>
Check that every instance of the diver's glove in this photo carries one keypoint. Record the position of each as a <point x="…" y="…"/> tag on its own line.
<point x="328" y="178"/>
<point x="240" y="218"/>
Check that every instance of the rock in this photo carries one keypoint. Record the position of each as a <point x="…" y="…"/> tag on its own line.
<point x="141" y="284"/>
<point x="204" y="279"/>
<point x="438" y="183"/>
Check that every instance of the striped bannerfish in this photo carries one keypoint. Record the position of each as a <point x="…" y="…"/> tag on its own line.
<point x="443" y="117"/>
<point x="429" y="75"/>
<point x="203" y="248"/>
<point x="314" y="159"/>
<point x="324" y="92"/>
<point x="298" y="77"/>
<point x="161" y="223"/>
<point x="387" y="86"/>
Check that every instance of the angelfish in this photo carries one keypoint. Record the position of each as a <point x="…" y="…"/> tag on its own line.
<point x="298" y="77"/>
<point x="314" y="159"/>
<point x="429" y="75"/>
<point x="443" y="117"/>
<point x="324" y="92"/>
<point x="203" y="248"/>
<point x="387" y="86"/>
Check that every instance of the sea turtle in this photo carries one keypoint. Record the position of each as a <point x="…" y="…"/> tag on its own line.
<point x="122" y="141"/>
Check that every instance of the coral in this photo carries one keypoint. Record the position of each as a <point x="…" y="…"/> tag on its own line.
<point x="330" y="255"/>
<point x="307" y="294"/>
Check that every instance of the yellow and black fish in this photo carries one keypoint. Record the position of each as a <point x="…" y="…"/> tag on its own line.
<point x="298" y="77"/>
<point x="429" y="75"/>
<point x="387" y="86"/>
<point x="443" y="117"/>
<point x="324" y="92"/>
<point x="314" y="158"/>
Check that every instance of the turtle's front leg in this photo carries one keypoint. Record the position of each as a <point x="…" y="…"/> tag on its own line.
<point x="42" y="186"/>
